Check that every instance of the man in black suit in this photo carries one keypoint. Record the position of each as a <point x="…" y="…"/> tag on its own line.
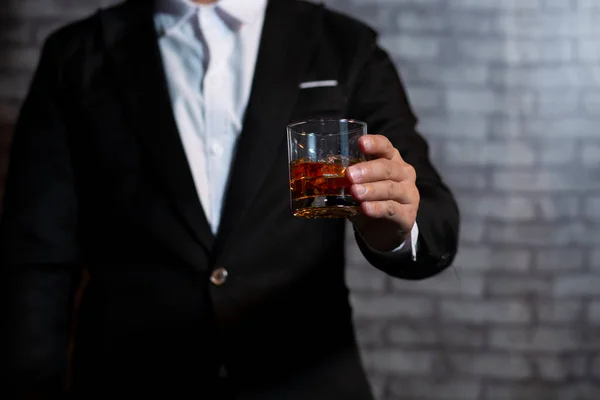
<point x="102" y="176"/>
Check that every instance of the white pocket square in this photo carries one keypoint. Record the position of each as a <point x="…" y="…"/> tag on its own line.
<point x="316" y="84"/>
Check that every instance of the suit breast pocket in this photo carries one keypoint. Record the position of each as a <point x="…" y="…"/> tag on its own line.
<point x="319" y="102"/>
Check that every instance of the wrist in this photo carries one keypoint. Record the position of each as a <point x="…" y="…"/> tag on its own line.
<point x="380" y="235"/>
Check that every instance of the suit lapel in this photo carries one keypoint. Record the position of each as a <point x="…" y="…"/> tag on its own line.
<point x="132" y="44"/>
<point x="284" y="54"/>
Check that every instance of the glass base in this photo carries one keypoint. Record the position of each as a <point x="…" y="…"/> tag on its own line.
<point x="325" y="207"/>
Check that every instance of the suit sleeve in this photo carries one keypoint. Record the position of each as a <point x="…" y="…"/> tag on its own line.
<point x="379" y="98"/>
<point x="38" y="247"/>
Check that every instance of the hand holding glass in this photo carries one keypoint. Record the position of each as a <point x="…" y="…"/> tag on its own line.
<point x="319" y="153"/>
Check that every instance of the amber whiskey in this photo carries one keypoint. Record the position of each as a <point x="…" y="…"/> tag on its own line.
<point x="321" y="189"/>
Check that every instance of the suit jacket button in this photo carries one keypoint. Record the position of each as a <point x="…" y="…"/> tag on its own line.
<point x="219" y="276"/>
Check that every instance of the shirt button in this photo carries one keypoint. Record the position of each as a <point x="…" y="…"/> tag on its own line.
<point x="216" y="150"/>
<point x="219" y="276"/>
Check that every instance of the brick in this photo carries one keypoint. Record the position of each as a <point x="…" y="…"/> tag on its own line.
<point x="594" y="312"/>
<point x="579" y="390"/>
<point x="535" y="340"/>
<point x="571" y="391"/>
<point x="14" y="86"/>
<point x="507" y="208"/>
<point x="543" y="181"/>
<point x="559" y="259"/>
<point x="558" y="207"/>
<point x="560" y="368"/>
<point x="354" y="257"/>
<point x="365" y="279"/>
<point x="576" y="285"/>
<point x="412" y="334"/>
<point x="391" y="307"/>
<point x="587" y="5"/>
<point x="19" y="59"/>
<point x="50" y="9"/>
<point x="473" y="23"/>
<point x="591" y="103"/>
<point x="450" y="75"/>
<point x="476" y="101"/>
<point x="424" y="98"/>
<point x="15" y="31"/>
<point x="435" y="152"/>
<point x="594" y="260"/>
<point x="557" y="153"/>
<point x="559" y="312"/>
<point x="516" y="51"/>
<point x="488" y="311"/>
<point x="558" y="103"/>
<point x="558" y="5"/>
<point x="521" y="286"/>
<point x="588" y="51"/>
<point x="462" y="337"/>
<point x="516" y="391"/>
<point x="502" y="128"/>
<point x="550" y="369"/>
<point x="574" y="127"/>
<point x="395" y="361"/>
<point x="456" y="125"/>
<point x="447" y="283"/>
<point x="472" y="231"/>
<point x="498" y="366"/>
<point x="497" y="5"/>
<point x="544" y="77"/>
<point x="574" y="25"/>
<point x="448" y="389"/>
<point x="413" y="21"/>
<point x="591" y="207"/>
<point x="428" y="3"/>
<point x="411" y="48"/>
<point x="590" y="154"/>
<point x="596" y="367"/>
<point x="465" y="178"/>
<point x="490" y="153"/>
<point x="486" y="101"/>
<point x="369" y="333"/>
<point x="485" y="258"/>
<point x="541" y="235"/>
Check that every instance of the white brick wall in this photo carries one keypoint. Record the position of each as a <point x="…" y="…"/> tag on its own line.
<point x="508" y="93"/>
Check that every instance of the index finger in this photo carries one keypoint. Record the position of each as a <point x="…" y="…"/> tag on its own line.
<point x="378" y="146"/>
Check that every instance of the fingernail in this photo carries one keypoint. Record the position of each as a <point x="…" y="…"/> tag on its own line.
<point x="355" y="173"/>
<point x="368" y="143"/>
<point x="361" y="190"/>
<point x="368" y="208"/>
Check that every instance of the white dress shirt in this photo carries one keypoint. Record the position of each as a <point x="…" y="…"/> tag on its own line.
<point x="209" y="53"/>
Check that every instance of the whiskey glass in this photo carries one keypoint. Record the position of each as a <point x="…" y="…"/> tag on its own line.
<point x="319" y="152"/>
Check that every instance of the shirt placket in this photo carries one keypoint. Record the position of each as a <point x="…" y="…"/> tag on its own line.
<point x="218" y="97"/>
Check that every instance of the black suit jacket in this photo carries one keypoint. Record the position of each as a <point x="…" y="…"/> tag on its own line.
<point x="98" y="178"/>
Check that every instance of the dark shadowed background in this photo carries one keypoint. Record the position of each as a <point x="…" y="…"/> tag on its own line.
<point x="508" y="93"/>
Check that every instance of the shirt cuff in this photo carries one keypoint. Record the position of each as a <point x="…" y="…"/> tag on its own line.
<point x="410" y="244"/>
<point x="412" y="239"/>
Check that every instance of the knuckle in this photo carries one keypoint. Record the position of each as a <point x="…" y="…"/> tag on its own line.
<point x="417" y="194"/>
<point x="411" y="172"/>
<point x="389" y="168"/>
<point x="391" y="189"/>
<point x="390" y="209"/>
<point x="380" y="213"/>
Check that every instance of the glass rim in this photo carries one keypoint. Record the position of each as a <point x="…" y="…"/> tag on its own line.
<point x="361" y="128"/>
